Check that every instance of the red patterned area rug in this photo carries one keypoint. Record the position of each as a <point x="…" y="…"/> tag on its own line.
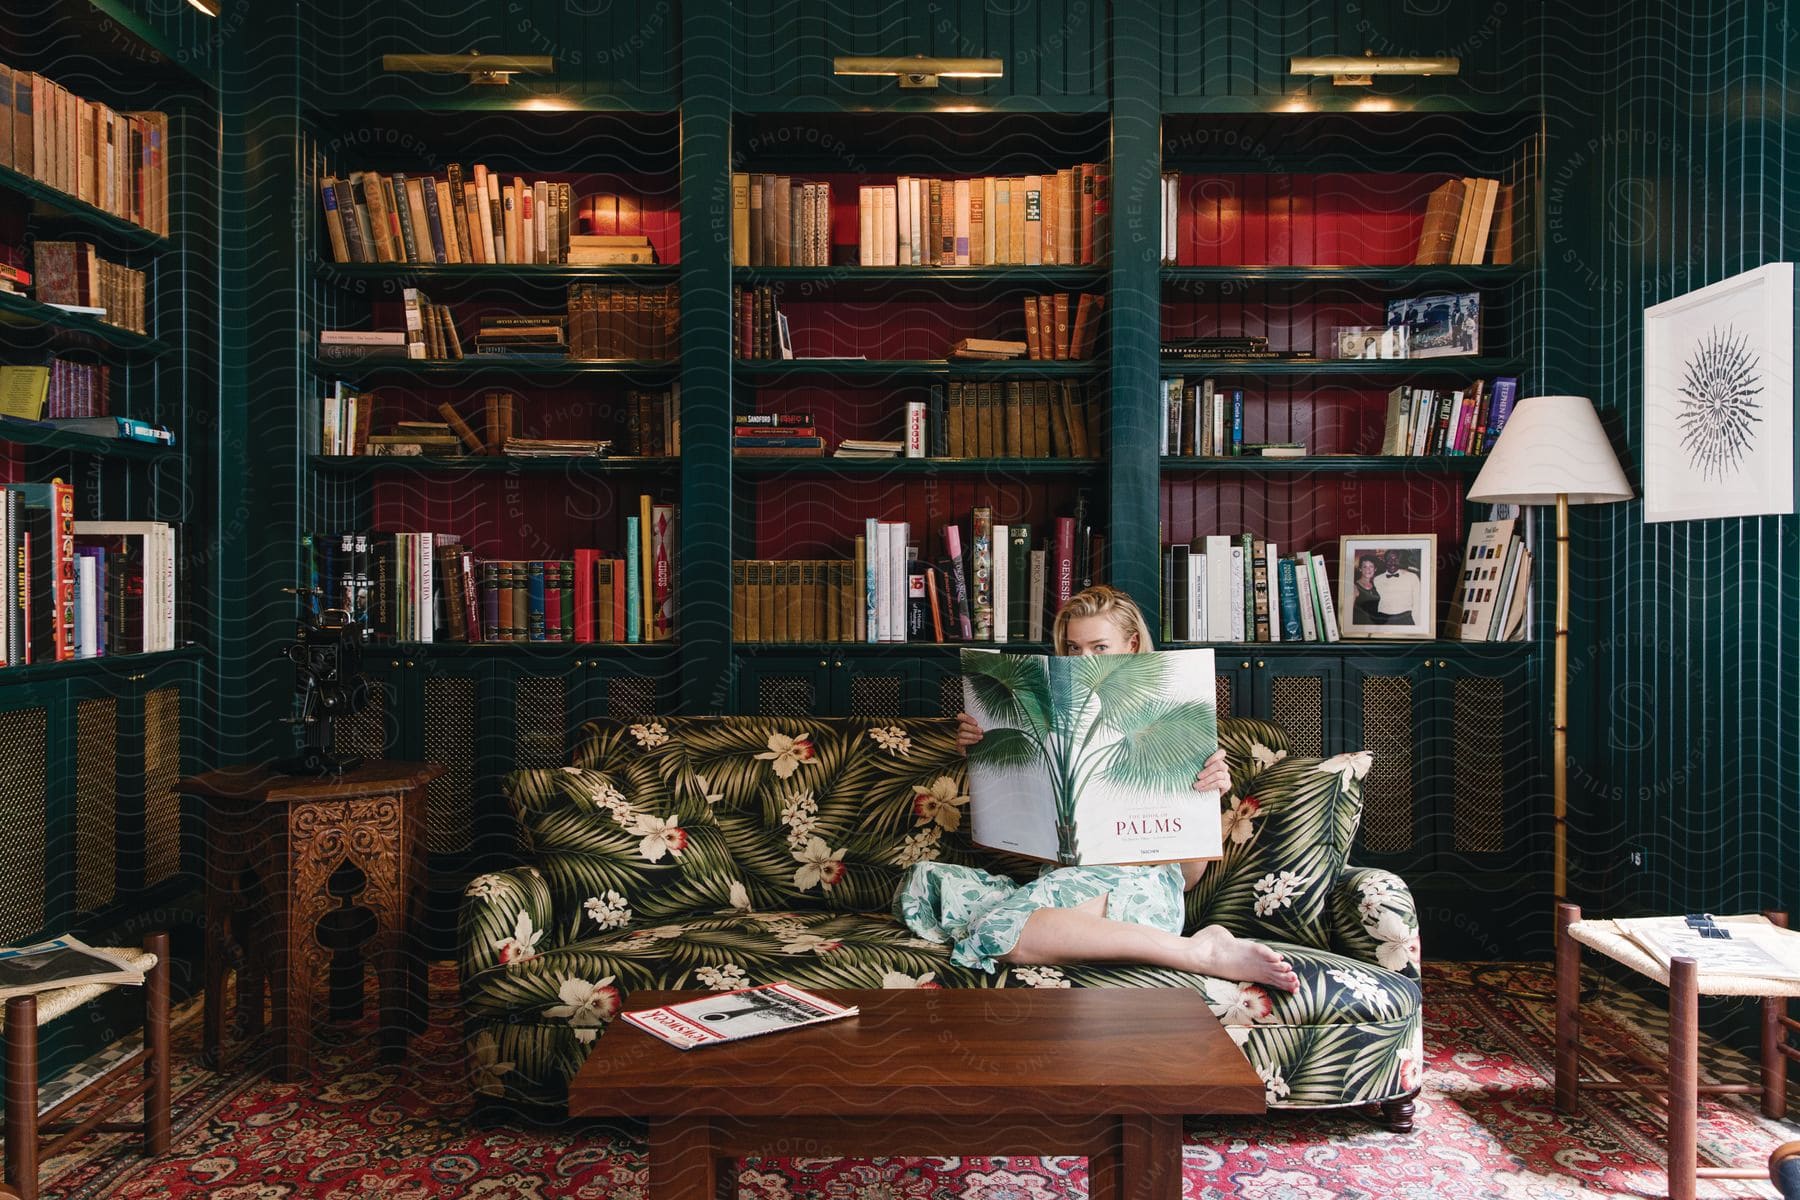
<point x="1486" y="1130"/>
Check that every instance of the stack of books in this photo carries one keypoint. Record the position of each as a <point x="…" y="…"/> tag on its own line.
<point x="522" y="337"/>
<point x="776" y="435"/>
<point x="988" y="349"/>
<point x="1051" y="333"/>
<point x="1429" y="421"/>
<point x="344" y="418"/>
<point x="780" y="222"/>
<point x="653" y="423"/>
<point x="1467" y="221"/>
<point x="61" y="389"/>
<point x="115" y="161"/>
<point x="366" y="343"/>
<point x="518" y="447"/>
<point x="1200" y="420"/>
<point x="1219" y="588"/>
<point x="14" y="280"/>
<point x="609" y="250"/>
<point x="408" y="439"/>
<point x="1013" y="418"/>
<point x="868" y="448"/>
<point x="430" y="329"/>
<point x="1494" y="589"/>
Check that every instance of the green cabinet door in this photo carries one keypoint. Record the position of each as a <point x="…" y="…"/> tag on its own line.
<point x="830" y="683"/>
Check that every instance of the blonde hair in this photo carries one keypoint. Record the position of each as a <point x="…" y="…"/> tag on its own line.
<point x="1102" y="600"/>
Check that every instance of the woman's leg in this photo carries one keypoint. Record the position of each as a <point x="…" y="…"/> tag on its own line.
<point x="1084" y="934"/>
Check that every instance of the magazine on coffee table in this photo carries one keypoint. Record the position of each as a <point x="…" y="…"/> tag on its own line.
<point x="732" y="1016"/>
<point x="59" y="963"/>
<point x="1091" y="760"/>
<point x="1718" y="945"/>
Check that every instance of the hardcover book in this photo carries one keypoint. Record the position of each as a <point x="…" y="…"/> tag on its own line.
<point x="1091" y="760"/>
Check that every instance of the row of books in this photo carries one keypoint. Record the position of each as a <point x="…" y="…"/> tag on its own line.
<point x="1495" y="584"/>
<point x="430" y="587"/>
<point x="1055" y="218"/>
<point x="1220" y="588"/>
<point x="478" y="217"/>
<point x="1467" y="221"/>
<point x="81" y="589"/>
<point x="999" y="587"/>
<point x="72" y="275"/>
<point x="1050" y="333"/>
<point x="760" y="331"/>
<point x="1014" y="418"/>
<point x="58" y="389"/>
<point x="1200" y="420"/>
<point x="607" y="322"/>
<point x="115" y="161"/>
<point x="1209" y="349"/>
<point x="775" y="435"/>
<point x="1428" y="421"/>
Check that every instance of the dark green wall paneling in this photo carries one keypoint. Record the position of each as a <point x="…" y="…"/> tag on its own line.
<point x="603" y="49"/>
<point x="1228" y="54"/>
<point x="1055" y="50"/>
<point x="1674" y="162"/>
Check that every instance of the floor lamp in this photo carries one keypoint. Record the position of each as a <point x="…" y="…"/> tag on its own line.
<point x="1552" y="450"/>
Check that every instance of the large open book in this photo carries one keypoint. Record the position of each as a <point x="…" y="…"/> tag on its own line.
<point x="59" y="963"/>
<point x="1091" y="760"/>
<point x="1719" y="946"/>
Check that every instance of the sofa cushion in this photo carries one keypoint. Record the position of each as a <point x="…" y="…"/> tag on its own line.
<point x="1287" y="833"/>
<point x="821" y="814"/>
<point x="1251" y="745"/>
<point x="1347" y="1035"/>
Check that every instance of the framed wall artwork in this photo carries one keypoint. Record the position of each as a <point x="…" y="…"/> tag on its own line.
<point x="1719" y="399"/>
<point x="1387" y="585"/>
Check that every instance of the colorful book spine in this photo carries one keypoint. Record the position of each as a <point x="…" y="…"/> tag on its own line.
<point x="1291" y="625"/>
<point x="634" y="585"/>
<point x="983" y="551"/>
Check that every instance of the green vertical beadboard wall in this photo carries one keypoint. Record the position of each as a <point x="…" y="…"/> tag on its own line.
<point x="1674" y="162"/>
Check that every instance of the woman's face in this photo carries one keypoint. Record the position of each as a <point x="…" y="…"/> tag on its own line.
<point x="1366" y="571"/>
<point x="1097" y="635"/>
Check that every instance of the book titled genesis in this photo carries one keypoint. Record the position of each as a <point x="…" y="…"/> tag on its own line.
<point x="1091" y="760"/>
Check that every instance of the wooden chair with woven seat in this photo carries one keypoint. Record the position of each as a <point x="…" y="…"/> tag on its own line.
<point x="31" y="1135"/>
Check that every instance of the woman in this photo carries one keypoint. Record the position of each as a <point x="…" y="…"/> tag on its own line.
<point x="1083" y="914"/>
<point x="1366" y="609"/>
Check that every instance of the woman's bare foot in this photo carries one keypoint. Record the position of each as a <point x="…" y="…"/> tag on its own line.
<point x="1218" y="952"/>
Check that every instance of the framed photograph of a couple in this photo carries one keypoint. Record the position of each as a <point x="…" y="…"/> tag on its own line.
<point x="1387" y="585"/>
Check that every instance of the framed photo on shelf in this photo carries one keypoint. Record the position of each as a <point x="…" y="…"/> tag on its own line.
<point x="1387" y="585"/>
<point x="1719" y="399"/>
<point x="1368" y="341"/>
<point x="1439" y="326"/>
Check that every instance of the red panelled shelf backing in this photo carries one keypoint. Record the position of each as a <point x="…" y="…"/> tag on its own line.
<point x="810" y="518"/>
<point x="1293" y="220"/>
<point x="512" y="517"/>
<point x="897" y="329"/>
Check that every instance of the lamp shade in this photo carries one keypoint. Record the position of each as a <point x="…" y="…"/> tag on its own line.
<point x="1552" y="446"/>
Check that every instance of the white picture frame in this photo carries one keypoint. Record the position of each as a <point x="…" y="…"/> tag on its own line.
<point x="1361" y="607"/>
<point x="1719" y="399"/>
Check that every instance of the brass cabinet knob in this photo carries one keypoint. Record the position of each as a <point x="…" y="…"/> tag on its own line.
<point x="1244" y="666"/>
<point x="823" y="663"/>
<point x="394" y="663"/>
<point x="838" y="663"/>
<point x="1261" y="663"/>
<point x="411" y="663"/>
<point x="1442" y="663"/>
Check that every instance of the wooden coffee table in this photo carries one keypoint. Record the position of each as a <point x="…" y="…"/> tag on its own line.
<point x="1103" y="1072"/>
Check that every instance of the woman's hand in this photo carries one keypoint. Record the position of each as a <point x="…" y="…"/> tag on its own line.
<point x="967" y="732"/>
<point x="1215" y="776"/>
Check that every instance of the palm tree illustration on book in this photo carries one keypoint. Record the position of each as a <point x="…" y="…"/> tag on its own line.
<point x="1090" y="760"/>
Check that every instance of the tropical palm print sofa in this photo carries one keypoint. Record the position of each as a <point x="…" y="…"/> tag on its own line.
<point x="710" y="853"/>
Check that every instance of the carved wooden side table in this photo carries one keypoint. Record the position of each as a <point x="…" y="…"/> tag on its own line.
<point x="285" y="853"/>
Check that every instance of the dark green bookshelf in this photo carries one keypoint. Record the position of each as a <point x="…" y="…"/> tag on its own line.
<point x="60" y="207"/>
<point x="23" y="312"/>
<point x="1378" y="277"/>
<point x="106" y="665"/>
<point x="352" y="466"/>
<point x="498" y="274"/>
<point x="908" y="467"/>
<point x="1344" y="464"/>
<point x="474" y="367"/>
<point x="39" y="433"/>
<point x="937" y="368"/>
<point x="1464" y="366"/>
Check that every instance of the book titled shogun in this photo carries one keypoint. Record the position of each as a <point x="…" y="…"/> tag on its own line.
<point x="733" y="1016"/>
<point x="1091" y="760"/>
<point x="59" y="963"/>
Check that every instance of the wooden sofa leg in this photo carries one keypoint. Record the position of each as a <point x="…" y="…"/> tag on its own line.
<point x="1398" y="1112"/>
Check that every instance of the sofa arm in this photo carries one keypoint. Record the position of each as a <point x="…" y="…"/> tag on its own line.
<point x="505" y="918"/>
<point x="1373" y="918"/>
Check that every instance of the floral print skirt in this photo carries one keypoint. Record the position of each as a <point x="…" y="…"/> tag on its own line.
<point x="981" y="915"/>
